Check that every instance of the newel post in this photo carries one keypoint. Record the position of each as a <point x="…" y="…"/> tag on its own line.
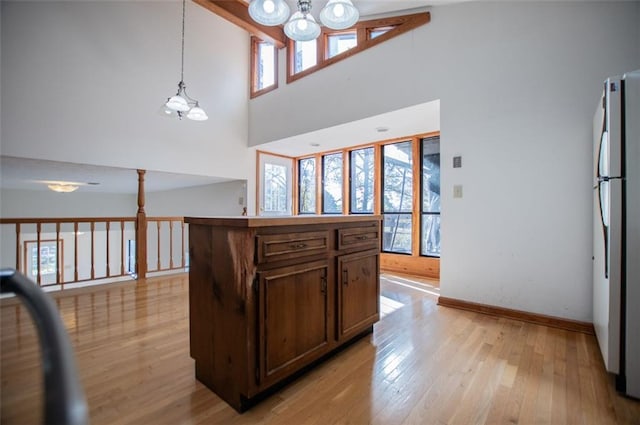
<point x="141" y="230"/>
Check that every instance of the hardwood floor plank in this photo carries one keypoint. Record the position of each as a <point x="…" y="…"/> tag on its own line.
<point x="423" y="364"/>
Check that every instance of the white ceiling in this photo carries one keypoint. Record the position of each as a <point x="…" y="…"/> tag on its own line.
<point x="417" y="119"/>
<point x="31" y="174"/>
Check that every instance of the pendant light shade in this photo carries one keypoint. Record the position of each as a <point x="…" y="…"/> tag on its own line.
<point x="177" y="103"/>
<point x="269" y="12"/>
<point x="197" y="114"/>
<point x="302" y="27"/>
<point x="339" y="14"/>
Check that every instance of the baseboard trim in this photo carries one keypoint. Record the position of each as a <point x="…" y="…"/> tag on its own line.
<point x="524" y="316"/>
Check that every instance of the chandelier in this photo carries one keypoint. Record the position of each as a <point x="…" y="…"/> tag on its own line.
<point x="181" y="104"/>
<point x="302" y="26"/>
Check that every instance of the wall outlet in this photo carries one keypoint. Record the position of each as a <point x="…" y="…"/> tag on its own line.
<point x="457" y="191"/>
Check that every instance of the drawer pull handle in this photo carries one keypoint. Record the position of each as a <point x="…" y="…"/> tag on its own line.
<point x="362" y="238"/>
<point x="298" y="245"/>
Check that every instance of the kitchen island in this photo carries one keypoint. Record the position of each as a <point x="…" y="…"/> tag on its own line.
<point x="269" y="296"/>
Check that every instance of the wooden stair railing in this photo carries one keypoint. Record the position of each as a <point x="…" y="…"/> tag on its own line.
<point x="61" y="251"/>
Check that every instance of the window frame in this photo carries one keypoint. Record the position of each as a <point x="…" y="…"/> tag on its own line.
<point x="399" y="24"/>
<point x="327" y="34"/>
<point x="411" y="211"/>
<point x="323" y="179"/>
<point x="422" y="212"/>
<point x="373" y="183"/>
<point x="255" y="49"/>
<point x="315" y="183"/>
<point x="263" y="158"/>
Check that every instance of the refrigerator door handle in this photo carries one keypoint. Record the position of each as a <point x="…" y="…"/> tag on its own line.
<point x="607" y="178"/>
<point x="604" y="230"/>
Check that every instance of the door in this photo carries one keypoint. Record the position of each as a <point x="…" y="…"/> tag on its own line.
<point x="275" y="187"/>
<point x="607" y="225"/>
<point x="292" y="319"/>
<point x="358" y="292"/>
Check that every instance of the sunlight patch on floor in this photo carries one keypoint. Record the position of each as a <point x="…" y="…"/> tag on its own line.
<point x="388" y="306"/>
<point x="413" y="284"/>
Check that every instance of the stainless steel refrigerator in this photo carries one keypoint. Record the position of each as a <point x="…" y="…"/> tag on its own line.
<point x="616" y="230"/>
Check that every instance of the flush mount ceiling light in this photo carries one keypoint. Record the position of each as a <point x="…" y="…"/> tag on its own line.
<point x="302" y="26"/>
<point x="181" y="104"/>
<point x="63" y="187"/>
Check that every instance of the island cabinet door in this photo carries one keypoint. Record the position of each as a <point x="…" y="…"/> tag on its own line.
<point x="358" y="292"/>
<point x="293" y="321"/>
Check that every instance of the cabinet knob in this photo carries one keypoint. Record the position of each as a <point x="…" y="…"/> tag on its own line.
<point x="345" y="277"/>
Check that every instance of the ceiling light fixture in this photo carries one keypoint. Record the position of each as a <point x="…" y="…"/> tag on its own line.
<point x="181" y="104"/>
<point x="63" y="187"/>
<point x="302" y="26"/>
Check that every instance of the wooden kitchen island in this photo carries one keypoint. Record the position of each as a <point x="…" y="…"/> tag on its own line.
<point x="269" y="296"/>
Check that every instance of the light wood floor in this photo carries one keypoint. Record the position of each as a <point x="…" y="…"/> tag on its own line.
<point x="423" y="364"/>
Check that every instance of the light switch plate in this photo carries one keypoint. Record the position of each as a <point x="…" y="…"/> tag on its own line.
<point x="457" y="191"/>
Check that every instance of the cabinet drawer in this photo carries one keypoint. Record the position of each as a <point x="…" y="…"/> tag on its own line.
<point x="291" y="245"/>
<point x="359" y="237"/>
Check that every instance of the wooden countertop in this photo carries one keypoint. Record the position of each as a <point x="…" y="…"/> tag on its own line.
<point x="246" y="221"/>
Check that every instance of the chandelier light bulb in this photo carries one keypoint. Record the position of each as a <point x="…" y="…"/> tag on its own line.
<point x="268" y="6"/>
<point x="302" y="24"/>
<point x="338" y="10"/>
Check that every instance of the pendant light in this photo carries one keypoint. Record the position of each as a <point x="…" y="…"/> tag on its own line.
<point x="269" y="12"/>
<point x="302" y="26"/>
<point x="181" y="104"/>
<point x="339" y="14"/>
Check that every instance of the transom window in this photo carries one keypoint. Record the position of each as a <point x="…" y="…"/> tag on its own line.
<point x="305" y="55"/>
<point x="264" y="65"/>
<point x="340" y="42"/>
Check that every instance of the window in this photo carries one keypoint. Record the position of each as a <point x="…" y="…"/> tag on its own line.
<point x="397" y="197"/>
<point x="305" y="55"/>
<point x="48" y="258"/>
<point x="304" y="58"/>
<point x="377" y="32"/>
<point x="274" y="188"/>
<point x="264" y="69"/>
<point x="361" y="164"/>
<point x="332" y="184"/>
<point x="340" y="42"/>
<point x="430" y="210"/>
<point x="275" y="192"/>
<point x="307" y="186"/>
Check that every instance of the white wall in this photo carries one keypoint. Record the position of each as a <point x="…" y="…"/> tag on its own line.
<point x="517" y="84"/>
<point x="210" y="200"/>
<point x="83" y="82"/>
